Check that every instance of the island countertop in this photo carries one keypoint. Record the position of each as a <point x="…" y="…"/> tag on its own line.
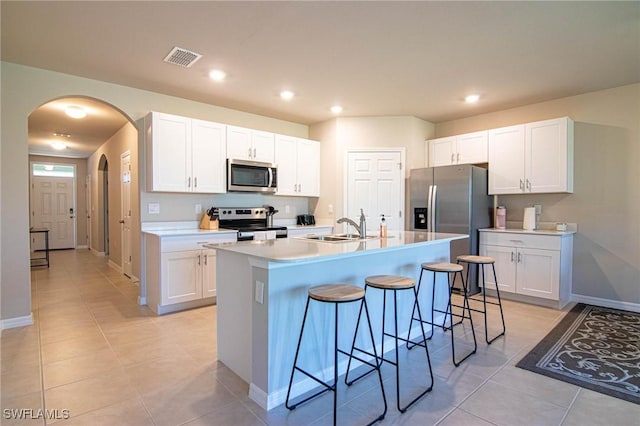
<point x="299" y="249"/>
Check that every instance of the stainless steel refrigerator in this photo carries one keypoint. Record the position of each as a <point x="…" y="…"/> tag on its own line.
<point x="452" y="199"/>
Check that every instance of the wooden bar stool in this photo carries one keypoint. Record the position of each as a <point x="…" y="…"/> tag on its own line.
<point x="481" y="261"/>
<point x="449" y="269"/>
<point x="393" y="283"/>
<point x="336" y="294"/>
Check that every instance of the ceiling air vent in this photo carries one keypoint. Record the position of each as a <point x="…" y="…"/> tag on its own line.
<point x="182" y="57"/>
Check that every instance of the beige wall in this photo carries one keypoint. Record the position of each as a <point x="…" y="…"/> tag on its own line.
<point x="606" y="200"/>
<point x="23" y="89"/>
<point x="126" y="139"/>
<point x="340" y="134"/>
<point x="81" y="197"/>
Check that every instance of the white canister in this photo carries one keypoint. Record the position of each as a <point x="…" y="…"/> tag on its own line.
<point x="529" y="220"/>
<point x="501" y="217"/>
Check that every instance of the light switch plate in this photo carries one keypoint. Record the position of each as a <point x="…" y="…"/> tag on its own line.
<point x="260" y="292"/>
<point x="538" y="208"/>
<point x="154" y="208"/>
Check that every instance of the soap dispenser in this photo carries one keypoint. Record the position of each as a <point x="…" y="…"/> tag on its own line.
<point x="383" y="227"/>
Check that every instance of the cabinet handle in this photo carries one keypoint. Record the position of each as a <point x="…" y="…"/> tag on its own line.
<point x="198" y="260"/>
<point x="521" y="185"/>
<point x="254" y="153"/>
<point x="452" y="157"/>
<point x="189" y="183"/>
<point x="299" y="187"/>
<point x="457" y="157"/>
<point x="249" y="152"/>
<point x="195" y="182"/>
<point x="528" y="185"/>
<point x="519" y="257"/>
<point x="511" y="257"/>
<point x="205" y="260"/>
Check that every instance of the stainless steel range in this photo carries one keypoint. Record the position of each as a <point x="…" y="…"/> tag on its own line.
<point x="249" y="220"/>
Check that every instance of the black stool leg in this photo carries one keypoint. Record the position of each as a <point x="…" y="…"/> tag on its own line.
<point x="295" y="367"/>
<point x="504" y="328"/>
<point x="335" y="368"/>
<point x="465" y="303"/>
<point x="403" y="409"/>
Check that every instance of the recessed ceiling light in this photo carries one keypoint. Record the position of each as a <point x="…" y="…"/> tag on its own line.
<point x="217" y="75"/>
<point x="62" y="135"/>
<point x="336" y="109"/>
<point x="287" y="95"/>
<point x="470" y="99"/>
<point x="58" y="145"/>
<point x="75" y="112"/>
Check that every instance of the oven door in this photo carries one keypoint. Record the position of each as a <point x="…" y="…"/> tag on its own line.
<point x="251" y="176"/>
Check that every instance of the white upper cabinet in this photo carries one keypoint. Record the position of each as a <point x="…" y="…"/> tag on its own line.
<point x="250" y="145"/>
<point x="470" y="148"/>
<point x="184" y="155"/>
<point x="208" y="155"/>
<point x="532" y="158"/>
<point x="168" y="139"/>
<point x="298" y="162"/>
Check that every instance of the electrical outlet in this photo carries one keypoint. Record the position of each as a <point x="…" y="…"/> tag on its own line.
<point x="198" y="208"/>
<point x="330" y="209"/>
<point x="538" y="208"/>
<point x="259" y="292"/>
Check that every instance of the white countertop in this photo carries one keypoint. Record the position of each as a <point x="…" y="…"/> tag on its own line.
<point x="187" y="232"/>
<point x="298" y="249"/>
<point x="525" y="231"/>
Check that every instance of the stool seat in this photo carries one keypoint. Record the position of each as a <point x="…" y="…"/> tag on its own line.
<point x="481" y="260"/>
<point x="336" y="293"/>
<point x="390" y="282"/>
<point x="442" y="267"/>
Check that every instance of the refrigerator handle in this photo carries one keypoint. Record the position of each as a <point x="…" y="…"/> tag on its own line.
<point x="434" y="199"/>
<point x="429" y="211"/>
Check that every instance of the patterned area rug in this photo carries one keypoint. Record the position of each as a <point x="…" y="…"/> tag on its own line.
<point x="592" y="347"/>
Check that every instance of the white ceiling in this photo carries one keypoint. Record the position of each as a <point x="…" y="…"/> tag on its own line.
<point x="373" y="58"/>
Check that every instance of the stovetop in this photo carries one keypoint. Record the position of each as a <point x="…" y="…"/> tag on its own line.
<point x="247" y="221"/>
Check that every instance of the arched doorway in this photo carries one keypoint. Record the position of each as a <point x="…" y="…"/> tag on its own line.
<point x="96" y="143"/>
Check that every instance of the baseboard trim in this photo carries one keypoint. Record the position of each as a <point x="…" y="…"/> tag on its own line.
<point x="607" y="303"/>
<point x="16" y="322"/>
<point x="82" y="247"/>
<point x="98" y="253"/>
<point x="114" y="265"/>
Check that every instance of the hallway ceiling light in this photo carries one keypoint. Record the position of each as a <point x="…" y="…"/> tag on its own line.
<point x="75" y="112"/>
<point x="336" y="109"/>
<point x="471" y="99"/>
<point x="58" y="145"/>
<point x="287" y="95"/>
<point x="62" y="135"/>
<point x="217" y="75"/>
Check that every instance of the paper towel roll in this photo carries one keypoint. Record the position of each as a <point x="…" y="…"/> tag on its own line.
<point x="529" y="221"/>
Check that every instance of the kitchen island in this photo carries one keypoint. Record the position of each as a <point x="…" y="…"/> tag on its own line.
<point x="262" y="291"/>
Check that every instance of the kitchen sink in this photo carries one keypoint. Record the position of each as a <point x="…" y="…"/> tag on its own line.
<point x="335" y="238"/>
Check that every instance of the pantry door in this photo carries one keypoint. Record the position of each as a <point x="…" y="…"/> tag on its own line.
<point x="375" y="183"/>
<point x="53" y="207"/>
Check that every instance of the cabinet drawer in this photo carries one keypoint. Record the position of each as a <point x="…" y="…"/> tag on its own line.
<point x="545" y="242"/>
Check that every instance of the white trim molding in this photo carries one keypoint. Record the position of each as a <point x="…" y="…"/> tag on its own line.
<point x="607" y="303"/>
<point x="16" y="322"/>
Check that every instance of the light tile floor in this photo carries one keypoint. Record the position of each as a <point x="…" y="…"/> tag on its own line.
<point x="94" y="352"/>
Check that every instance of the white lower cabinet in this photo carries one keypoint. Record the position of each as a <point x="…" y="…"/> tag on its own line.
<point x="189" y="275"/>
<point x="179" y="272"/>
<point x="532" y="265"/>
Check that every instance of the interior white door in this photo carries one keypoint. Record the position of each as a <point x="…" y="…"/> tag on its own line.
<point x="53" y="207"/>
<point x="125" y="205"/>
<point x="375" y="184"/>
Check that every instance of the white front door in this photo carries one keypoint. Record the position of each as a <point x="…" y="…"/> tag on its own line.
<point x="125" y="221"/>
<point x="53" y="207"/>
<point x="375" y="184"/>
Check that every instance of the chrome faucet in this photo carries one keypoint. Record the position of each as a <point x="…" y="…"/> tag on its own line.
<point x="362" y="228"/>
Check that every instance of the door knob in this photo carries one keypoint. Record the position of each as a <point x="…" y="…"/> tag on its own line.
<point x="122" y="221"/>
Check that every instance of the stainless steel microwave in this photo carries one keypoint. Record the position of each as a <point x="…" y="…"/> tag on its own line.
<point x="251" y="176"/>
